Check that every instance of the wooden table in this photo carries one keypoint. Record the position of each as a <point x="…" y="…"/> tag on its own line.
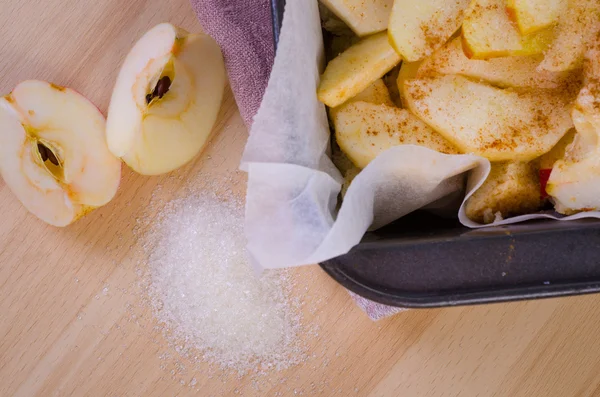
<point x="74" y="321"/>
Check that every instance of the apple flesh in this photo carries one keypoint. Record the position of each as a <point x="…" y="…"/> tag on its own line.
<point x="418" y="29"/>
<point x="166" y="99"/>
<point x="514" y="71"/>
<point x="376" y="93"/>
<point x="408" y="71"/>
<point x="533" y="15"/>
<point x="499" y="124"/>
<point x="577" y="28"/>
<point x="574" y="183"/>
<point x="558" y="151"/>
<point x="356" y="68"/>
<point x="363" y="17"/>
<point x="363" y="130"/>
<point x="53" y="152"/>
<point x="487" y="32"/>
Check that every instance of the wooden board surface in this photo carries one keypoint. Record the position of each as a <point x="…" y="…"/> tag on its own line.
<point x="73" y="320"/>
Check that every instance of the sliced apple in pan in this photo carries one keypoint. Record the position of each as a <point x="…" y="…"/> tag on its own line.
<point x="363" y="17"/>
<point x="499" y="124"/>
<point x="53" y="153"/>
<point x="417" y="29"/>
<point x="166" y="99"/>
<point x="512" y="188"/>
<point x="533" y="15"/>
<point x="363" y="130"/>
<point x="376" y="93"/>
<point x="577" y="28"/>
<point x="408" y="71"/>
<point x="356" y="68"/>
<point x="574" y="183"/>
<point x="515" y="71"/>
<point x="487" y="32"/>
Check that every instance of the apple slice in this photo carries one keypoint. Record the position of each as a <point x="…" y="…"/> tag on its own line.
<point x="533" y="15"/>
<point x="576" y="31"/>
<point x="487" y="32"/>
<point x="356" y="68"/>
<point x="418" y="29"/>
<point x="519" y="71"/>
<point x="363" y="130"/>
<point x="363" y="17"/>
<point x="574" y="182"/>
<point x="512" y="188"/>
<point x="499" y="124"/>
<point x="408" y="71"/>
<point x="53" y="153"/>
<point x="376" y="93"/>
<point x="166" y="99"/>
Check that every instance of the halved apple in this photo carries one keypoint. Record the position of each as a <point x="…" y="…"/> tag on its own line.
<point x="487" y="32"/>
<point x="516" y="71"/>
<point x="417" y="29"/>
<point x="512" y="188"/>
<point x="363" y="130"/>
<point x="363" y="17"/>
<point x="577" y="28"/>
<point x="53" y="153"/>
<point x="534" y="15"/>
<point x="356" y="68"/>
<point x="166" y="99"/>
<point x="574" y="182"/>
<point x="499" y="124"/>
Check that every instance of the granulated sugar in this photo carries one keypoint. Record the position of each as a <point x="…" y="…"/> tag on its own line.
<point x="207" y="296"/>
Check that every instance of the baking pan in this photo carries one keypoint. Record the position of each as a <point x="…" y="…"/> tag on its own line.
<point x="423" y="260"/>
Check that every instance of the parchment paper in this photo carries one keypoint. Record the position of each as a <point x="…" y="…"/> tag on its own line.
<point x="293" y="186"/>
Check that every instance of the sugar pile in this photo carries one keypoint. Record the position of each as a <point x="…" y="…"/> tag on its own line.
<point x="206" y="295"/>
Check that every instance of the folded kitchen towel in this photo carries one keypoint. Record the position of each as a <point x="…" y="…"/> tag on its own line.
<point x="244" y="30"/>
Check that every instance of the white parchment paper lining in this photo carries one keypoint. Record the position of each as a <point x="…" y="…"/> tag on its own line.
<point x="293" y="186"/>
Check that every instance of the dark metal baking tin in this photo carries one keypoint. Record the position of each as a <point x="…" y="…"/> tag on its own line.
<point x="422" y="260"/>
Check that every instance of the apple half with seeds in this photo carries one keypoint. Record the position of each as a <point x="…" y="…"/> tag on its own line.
<point x="166" y="99"/>
<point x="53" y="152"/>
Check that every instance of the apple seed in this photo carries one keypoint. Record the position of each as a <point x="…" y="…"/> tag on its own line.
<point x="47" y="154"/>
<point x="43" y="151"/>
<point x="52" y="157"/>
<point x="162" y="87"/>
